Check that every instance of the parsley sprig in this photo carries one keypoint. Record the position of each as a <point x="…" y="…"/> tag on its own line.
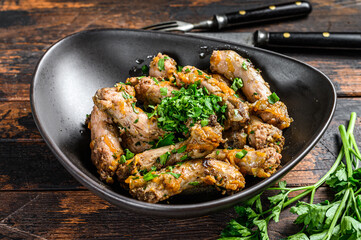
<point x="191" y="103"/>
<point x="338" y="219"/>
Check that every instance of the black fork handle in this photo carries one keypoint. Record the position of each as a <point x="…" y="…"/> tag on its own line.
<point x="335" y="40"/>
<point x="272" y="12"/>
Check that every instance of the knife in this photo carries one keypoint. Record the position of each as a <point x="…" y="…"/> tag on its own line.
<point x="333" y="40"/>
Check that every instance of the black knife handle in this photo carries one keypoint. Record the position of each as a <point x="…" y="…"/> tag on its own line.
<point x="273" y="12"/>
<point x="308" y="39"/>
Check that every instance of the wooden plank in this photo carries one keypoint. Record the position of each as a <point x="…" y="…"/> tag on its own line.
<point x="29" y="27"/>
<point x="82" y="215"/>
<point x="32" y="166"/>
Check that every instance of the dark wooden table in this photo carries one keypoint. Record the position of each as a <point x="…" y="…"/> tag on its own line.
<point x="39" y="199"/>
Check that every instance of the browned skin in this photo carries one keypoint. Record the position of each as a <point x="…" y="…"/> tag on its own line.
<point x="235" y="138"/>
<point x="232" y="65"/>
<point x="237" y="111"/>
<point x="222" y="175"/>
<point x="105" y="144"/>
<point x="275" y="114"/>
<point x="259" y="163"/>
<point x="263" y="135"/>
<point x="136" y="128"/>
<point x="148" y="89"/>
<point x="202" y="141"/>
<point x="156" y="69"/>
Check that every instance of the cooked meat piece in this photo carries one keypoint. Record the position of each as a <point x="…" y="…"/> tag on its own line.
<point x="148" y="89"/>
<point x="259" y="163"/>
<point x="263" y="135"/>
<point x="159" y="185"/>
<point x="162" y="66"/>
<point x="105" y="144"/>
<point x="202" y="141"/>
<point x="221" y="78"/>
<point x="137" y="130"/>
<point x="232" y="65"/>
<point x="237" y="111"/>
<point x="235" y="138"/>
<point x="275" y="114"/>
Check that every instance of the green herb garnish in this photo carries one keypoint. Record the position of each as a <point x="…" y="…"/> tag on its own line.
<point x="134" y="108"/>
<point x="241" y="154"/>
<point x="182" y="149"/>
<point x="237" y="84"/>
<point x="122" y="159"/>
<point x="149" y="176"/>
<point x="273" y="98"/>
<point x="195" y="183"/>
<point x="176" y="175"/>
<point x="191" y="103"/>
<point x="204" y="122"/>
<point x="166" y="140"/>
<point x="155" y="80"/>
<point x="199" y="72"/>
<point x="145" y="70"/>
<point x="128" y="154"/>
<point x="184" y="157"/>
<point x="163" y="158"/>
<point x="163" y="91"/>
<point x="161" y="64"/>
<point x="179" y="68"/>
<point x="244" y="66"/>
<point x="136" y="120"/>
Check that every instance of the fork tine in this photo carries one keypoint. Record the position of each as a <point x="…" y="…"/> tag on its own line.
<point x="160" y="25"/>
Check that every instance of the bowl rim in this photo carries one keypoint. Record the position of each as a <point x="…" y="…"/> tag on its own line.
<point x="165" y="210"/>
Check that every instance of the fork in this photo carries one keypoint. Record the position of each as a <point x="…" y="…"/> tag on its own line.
<point x="219" y="21"/>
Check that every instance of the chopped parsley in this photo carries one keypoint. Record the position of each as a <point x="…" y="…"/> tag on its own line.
<point x="217" y="152"/>
<point x="199" y="72"/>
<point x="187" y="70"/>
<point x="122" y="159"/>
<point x="126" y="95"/>
<point x="163" y="91"/>
<point x="176" y="175"/>
<point x="166" y="140"/>
<point x="184" y="157"/>
<point x="273" y="98"/>
<point x="128" y="154"/>
<point x="163" y="158"/>
<point x="251" y="132"/>
<point x="208" y="77"/>
<point x="195" y="183"/>
<point x="136" y="120"/>
<point x="134" y="108"/>
<point x="145" y="69"/>
<point x="192" y="103"/>
<point x="255" y="93"/>
<point x="244" y="66"/>
<point x="155" y="80"/>
<point x="149" y="176"/>
<point x="237" y="84"/>
<point x="182" y="149"/>
<point x="161" y="64"/>
<point x="241" y="154"/>
<point x="204" y="122"/>
<point x="179" y="68"/>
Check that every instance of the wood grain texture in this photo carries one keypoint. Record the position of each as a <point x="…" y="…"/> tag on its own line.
<point x="82" y="215"/>
<point x="29" y="27"/>
<point x="40" y="200"/>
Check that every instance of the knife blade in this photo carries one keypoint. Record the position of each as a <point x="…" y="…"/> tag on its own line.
<point x="332" y="40"/>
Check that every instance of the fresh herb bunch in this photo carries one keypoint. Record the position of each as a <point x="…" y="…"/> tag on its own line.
<point x="188" y="103"/>
<point x="338" y="219"/>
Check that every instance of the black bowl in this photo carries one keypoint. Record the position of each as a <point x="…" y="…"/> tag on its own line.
<point x="72" y="70"/>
